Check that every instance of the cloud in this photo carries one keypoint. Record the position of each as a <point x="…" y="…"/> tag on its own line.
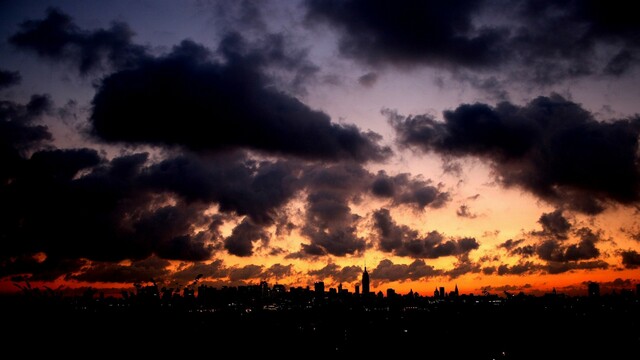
<point x="188" y="271"/>
<point x="246" y="15"/>
<point x="541" y="43"/>
<point x="403" y="189"/>
<point x="417" y="270"/>
<point x="337" y="273"/>
<point x="524" y="251"/>
<point x="368" y="80"/>
<point x="240" y="242"/>
<point x="464" y="212"/>
<point x="246" y="272"/>
<point x="510" y="244"/>
<point x="74" y="194"/>
<point x="331" y="227"/>
<point x="329" y="223"/>
<point x="58" y="38"/>
<point x="579" y="30"/>
<point x="234" y="181"/>
<point x="520" y="268"/>
<point x="404" y="241"/>
<point x="553" y="267"/>
<point x="489" y="270"/>
<point x="551" y="147"/>
<point x="463" y="266"/>
<point x="633" y="232"/>
<point x="35" y="268"/>
<point x="9" y="78"/>
<point x="279" y="271"/>
<point x="630" y="259"/>
<point x="409" y="32"/>
<point x="554" y="224"/>
<point x="20" y="133"/>
<point x="212" y="106"/>
<point x="506" y="288"/>
<point x="233" y="94"/>
<point x="138" y="271"/>
<point x="585" y="249"/>
<point x="173" y="229"/>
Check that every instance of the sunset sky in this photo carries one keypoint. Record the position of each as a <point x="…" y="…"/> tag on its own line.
<point x="491" y="145"/>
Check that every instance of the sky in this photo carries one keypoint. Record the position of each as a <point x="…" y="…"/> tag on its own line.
<point x="491" y="145"/>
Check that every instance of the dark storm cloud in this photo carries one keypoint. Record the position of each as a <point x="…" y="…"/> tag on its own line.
<point x="240" y="242"/>
<point x="630" y="259"/>
<point x="279" y="46"/>
<point x="20" y="132"/>
<point x="585" y="249"/>
<point x="245" y="272"/>
<point x="348" y="274"/>
<point x="234" y="95"/>
<point x="137" y="272"/>
<point x="213" y="106"/>
<point x="553" y="267"/>
<point x="279" y="271"/>
<point x="524" y="251"/>
<point x="72" y="195"/>
<point x="551" y="147"/>
<point x="388" y="271"/>
<point x="542" y="42"/>
<point x="489" y="270"/>
<point x="9" y="78"/>
<point x="510" y="244"/>
<point x="170" y="227"/>
<point x="337" y="273"/>
<point x="391" y="235"/>
<point x="463" y="266"/>
<point x="35" y="269"/>
<point x="331" y="189"/>
<point x="554" y="224"/>
<point x="237" y="183"/>
<point x="520" y="268"/>
<point x="58" y="38"/>
<point x="562" y="38"/>
<point x="403" y="189"/>
<point x="328" y="271"/>
<point x="189" y="271"/>
<point x="329" y="223"/>
<point x="409" y="32"/>
<point x="404" y="241"/>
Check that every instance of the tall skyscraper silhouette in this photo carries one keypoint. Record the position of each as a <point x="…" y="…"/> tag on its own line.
<point x="365" y="282"/>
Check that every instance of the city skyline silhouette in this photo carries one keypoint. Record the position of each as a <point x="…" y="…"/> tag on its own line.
<point x="332" y="322"/>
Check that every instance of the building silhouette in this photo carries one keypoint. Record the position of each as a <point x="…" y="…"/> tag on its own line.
<point x="365" y="282"/>
<point x="319" y="289"/>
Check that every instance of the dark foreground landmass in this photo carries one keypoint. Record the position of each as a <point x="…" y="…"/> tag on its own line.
<point x="466" y="327"/>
